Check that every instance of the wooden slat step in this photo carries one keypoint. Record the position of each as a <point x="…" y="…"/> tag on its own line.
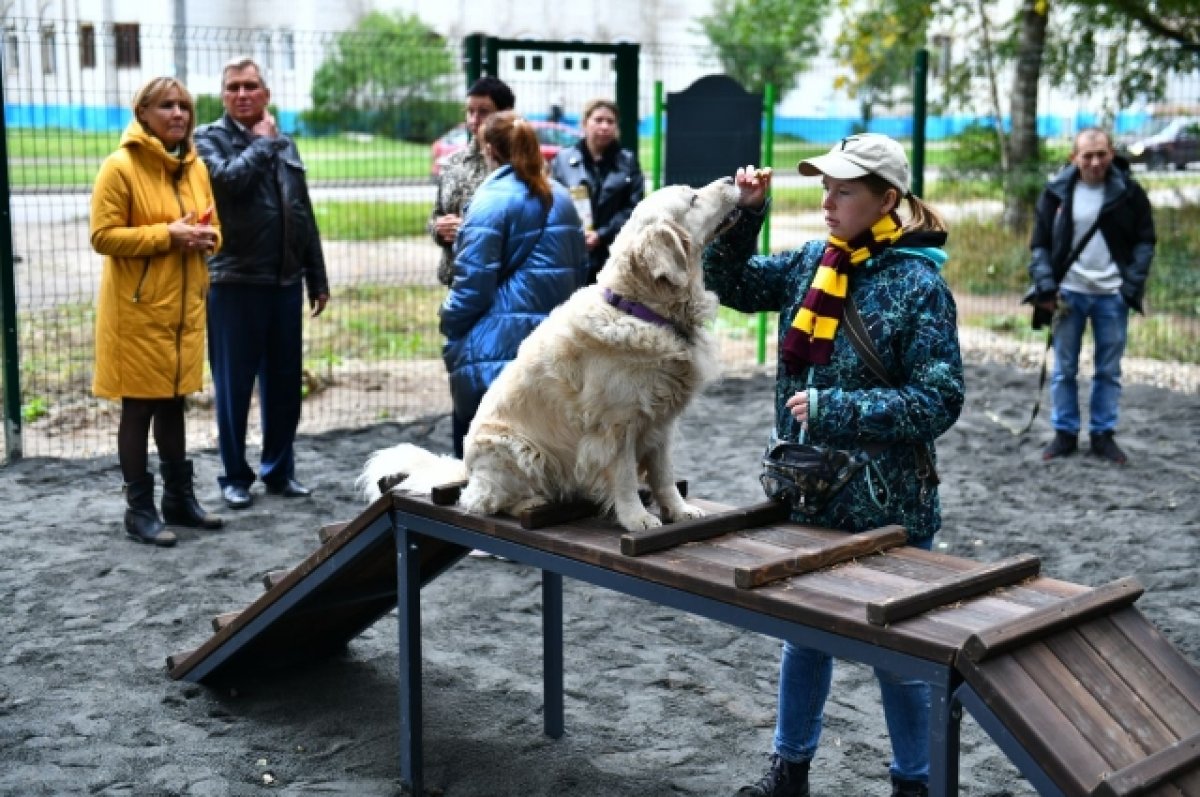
<point x="968" y="584"/>
<point x="637" y="543"/>
<point x="222" y="620"/>
<point x="447" y="494"/>
<point x="330" y="530"/>
<point x="541" y="517"/>
<point x="175" y="659"/>
<point x="270" y="580"/>
<point x="851" y="547"/>
<point x="1152" y="771"/>
<point x="1050" y="619"/>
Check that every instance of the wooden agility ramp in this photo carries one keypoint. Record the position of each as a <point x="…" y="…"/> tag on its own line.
<point x="1081" y="692"/>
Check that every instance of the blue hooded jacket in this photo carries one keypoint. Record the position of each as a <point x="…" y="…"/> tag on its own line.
<point x="513" y="264"/>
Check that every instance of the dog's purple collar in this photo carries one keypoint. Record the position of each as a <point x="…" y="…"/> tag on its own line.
<point x="639" y="310"/>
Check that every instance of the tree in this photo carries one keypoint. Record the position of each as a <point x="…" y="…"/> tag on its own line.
<point x="383" y="75"/>
<point x="765" y="41"/>
<point x="877" y="45"/>
<point x="1116" y="51"/>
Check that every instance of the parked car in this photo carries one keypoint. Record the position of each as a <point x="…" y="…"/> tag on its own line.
<point x="1175" y="142"/>
<point x="552" y="136"/>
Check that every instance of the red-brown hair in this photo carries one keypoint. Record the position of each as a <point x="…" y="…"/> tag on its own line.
<point x="513" y="142"/>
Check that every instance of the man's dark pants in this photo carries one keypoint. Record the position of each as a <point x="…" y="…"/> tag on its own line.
<point x="256" y="332"/>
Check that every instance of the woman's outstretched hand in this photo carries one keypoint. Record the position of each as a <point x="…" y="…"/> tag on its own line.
<point x="752" y="184"/>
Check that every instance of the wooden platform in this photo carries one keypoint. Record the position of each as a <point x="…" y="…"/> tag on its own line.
<point x="1073" y="683"/>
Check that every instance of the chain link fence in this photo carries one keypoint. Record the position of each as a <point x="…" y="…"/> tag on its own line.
<point x="370" y="148"/>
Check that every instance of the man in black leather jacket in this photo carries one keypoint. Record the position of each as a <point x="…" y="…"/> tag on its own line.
<point x="1098" y="278"/>
<point x="271" y="252"/>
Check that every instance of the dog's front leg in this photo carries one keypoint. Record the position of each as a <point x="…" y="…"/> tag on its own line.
<point x="612" y="455"/>
<point x="660" y="475"/>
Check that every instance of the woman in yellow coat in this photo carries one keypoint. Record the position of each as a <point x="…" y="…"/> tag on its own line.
<point x="152" y="219"/>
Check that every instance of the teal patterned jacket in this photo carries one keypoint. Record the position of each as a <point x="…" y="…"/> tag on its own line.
<point x="910" y="314"/>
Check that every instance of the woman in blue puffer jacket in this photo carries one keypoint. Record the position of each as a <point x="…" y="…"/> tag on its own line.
<point x="519" y="254"/>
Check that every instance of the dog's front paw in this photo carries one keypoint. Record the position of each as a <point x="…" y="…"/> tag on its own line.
<point x="683" y="511"/>
<point x="638" y="521"/>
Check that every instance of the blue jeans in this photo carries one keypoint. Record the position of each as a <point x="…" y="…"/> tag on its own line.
<point x="805" y="676"/>
<point x="1110" y="323"/>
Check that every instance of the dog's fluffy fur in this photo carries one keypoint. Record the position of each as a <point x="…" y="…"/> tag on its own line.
<point x="590" y="402"/>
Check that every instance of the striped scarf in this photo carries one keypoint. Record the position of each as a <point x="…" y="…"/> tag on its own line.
<point x="809" y="340"/>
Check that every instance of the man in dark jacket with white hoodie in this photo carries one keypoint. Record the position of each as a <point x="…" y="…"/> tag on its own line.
<point x="1093" y="240"/>
<point x="272" y="252"/>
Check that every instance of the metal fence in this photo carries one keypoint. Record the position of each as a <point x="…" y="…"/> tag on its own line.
<point x="374" y="354"/>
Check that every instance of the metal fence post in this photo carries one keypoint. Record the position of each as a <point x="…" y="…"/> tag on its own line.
<point x="768" y="159"/>
<point x="920" y="85"/>
<point x="473" y="57"/>
<point x="627" y="93"/>
<point x="8" y="304"/>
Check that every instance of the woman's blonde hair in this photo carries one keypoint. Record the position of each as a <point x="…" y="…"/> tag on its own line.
<point x="154" y="91"/>
<point x="513" y="142"/>
<point x="921" y="216"/>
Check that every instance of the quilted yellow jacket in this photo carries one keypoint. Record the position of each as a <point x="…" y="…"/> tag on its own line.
<point x="150" y="314"/>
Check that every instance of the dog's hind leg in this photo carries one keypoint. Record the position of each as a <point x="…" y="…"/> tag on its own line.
<point x="660" y="475"/>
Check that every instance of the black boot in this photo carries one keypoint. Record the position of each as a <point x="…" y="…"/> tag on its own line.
<point x="179" y="504"/>
<point x="909" y="788"/>
<point x="142" y="522"/>
<point x="783" y="779"/>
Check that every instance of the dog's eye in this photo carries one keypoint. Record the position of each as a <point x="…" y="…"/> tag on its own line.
<point x="694" y="198"/>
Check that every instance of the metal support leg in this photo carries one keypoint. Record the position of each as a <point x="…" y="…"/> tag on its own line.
<point x="408" y="605"/>
<point x="552" y="653"/>
<point x="945" y="721"/>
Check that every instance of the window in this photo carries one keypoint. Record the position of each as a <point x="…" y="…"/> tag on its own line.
<point x="585" y="64"/>
<point x="87" y="46"/>
<point x="12" y="51"/>
<point x="49" y="57"/>
<point x="568" y="64"/>
<point x="536" y="63"/>
<point x="264" y="50"/>
<point x="519" y="63"/>
<point x="127" y="37"/>
<point x="289" y="50"/>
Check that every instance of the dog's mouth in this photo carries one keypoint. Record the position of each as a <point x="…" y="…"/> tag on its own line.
<point x="726" y="223"/>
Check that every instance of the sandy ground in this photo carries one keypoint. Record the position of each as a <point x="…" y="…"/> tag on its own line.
<point x="658" y="703"/>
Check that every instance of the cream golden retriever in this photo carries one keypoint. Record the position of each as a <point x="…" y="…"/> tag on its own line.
<point x="589" y="405"/>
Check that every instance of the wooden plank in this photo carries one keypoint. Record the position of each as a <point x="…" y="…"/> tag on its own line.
<point x="330" y="530"/>
<point x="639" y="543"/>
<point x="1116" y="710"/>
<point x="222" y="620"/>
<point x="954" y="588"/>
<point x="1182" y="677"/>
<point x="1035" y="722"/>
<point x="854" y="545"/>
<point x="1043" y="622"/>
<point x="1152" y="771"/>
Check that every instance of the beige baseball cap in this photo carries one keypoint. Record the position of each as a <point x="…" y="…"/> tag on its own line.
<point x="859" y="155"/>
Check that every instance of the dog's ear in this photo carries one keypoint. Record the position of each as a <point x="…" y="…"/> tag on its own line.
<point x="664" y="250"/>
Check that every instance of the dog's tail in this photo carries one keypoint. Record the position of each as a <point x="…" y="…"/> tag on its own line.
<point x="422" y="470"/>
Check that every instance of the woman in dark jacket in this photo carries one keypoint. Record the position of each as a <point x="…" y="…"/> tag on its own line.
<point x="609" y="175"/>
<point x="519" y="254"/>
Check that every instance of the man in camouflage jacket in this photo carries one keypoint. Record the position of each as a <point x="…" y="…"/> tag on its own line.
<point x="465" y="170"/>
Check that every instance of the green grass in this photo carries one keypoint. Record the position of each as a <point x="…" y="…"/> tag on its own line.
<point x="355" y="220"/>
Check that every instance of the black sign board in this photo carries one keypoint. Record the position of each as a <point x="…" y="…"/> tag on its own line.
<point x="713" y="127"/>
